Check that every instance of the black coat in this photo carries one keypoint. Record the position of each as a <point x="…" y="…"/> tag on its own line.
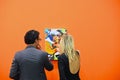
<point x="64" y="70"/>
<point x="29" y="64"/>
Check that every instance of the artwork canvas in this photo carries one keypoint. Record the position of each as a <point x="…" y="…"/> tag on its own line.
<point x="52" y="39"/>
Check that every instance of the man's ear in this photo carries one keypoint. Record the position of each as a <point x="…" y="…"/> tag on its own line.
<point x="36" y="40"/>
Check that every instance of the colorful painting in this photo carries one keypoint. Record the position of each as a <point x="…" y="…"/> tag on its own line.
<point x="52" y="39"/>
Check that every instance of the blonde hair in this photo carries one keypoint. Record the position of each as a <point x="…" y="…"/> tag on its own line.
<point x="67" y="47"/>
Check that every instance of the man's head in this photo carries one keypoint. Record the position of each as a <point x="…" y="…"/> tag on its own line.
<point x="31" y="36"/>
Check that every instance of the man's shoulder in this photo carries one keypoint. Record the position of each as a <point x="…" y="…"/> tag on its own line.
<point x="18" y="53"/>
<point x="41" y="51"/>
<point x="26" y="52"/>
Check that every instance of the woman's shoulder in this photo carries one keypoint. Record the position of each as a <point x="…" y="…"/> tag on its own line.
<point x="62" y="56"/>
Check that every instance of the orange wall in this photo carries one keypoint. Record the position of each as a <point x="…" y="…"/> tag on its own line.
<point x="95" y="25"/>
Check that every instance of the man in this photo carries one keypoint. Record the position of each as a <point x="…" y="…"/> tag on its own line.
<point x="29" y="63"/>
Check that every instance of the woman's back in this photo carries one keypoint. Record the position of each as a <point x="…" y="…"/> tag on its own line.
<point x="64" y="70"/>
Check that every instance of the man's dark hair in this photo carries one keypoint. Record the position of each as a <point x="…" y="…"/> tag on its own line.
<point x="31" y="36"/>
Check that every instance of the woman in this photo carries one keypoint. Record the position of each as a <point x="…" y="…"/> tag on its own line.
<point x="68" y="61"/>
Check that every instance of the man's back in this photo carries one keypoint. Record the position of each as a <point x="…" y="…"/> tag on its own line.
<point x="31" y="63"/>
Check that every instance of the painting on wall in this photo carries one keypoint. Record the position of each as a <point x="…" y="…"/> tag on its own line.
<point x="52" y="39"/>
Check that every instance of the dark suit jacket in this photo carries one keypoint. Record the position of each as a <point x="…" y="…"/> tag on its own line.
<point x="29" y="64"/>
<point x="64" y="71"/>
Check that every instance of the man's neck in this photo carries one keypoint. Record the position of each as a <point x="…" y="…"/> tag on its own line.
<point x="32" y="45"/>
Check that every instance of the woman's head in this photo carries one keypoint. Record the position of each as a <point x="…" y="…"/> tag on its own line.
<point x="67" y="44"/>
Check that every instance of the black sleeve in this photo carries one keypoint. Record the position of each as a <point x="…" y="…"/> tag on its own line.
<point x="14" y="71"/>
<point x="61" y="68"/>
<point x="48" y="64"/>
